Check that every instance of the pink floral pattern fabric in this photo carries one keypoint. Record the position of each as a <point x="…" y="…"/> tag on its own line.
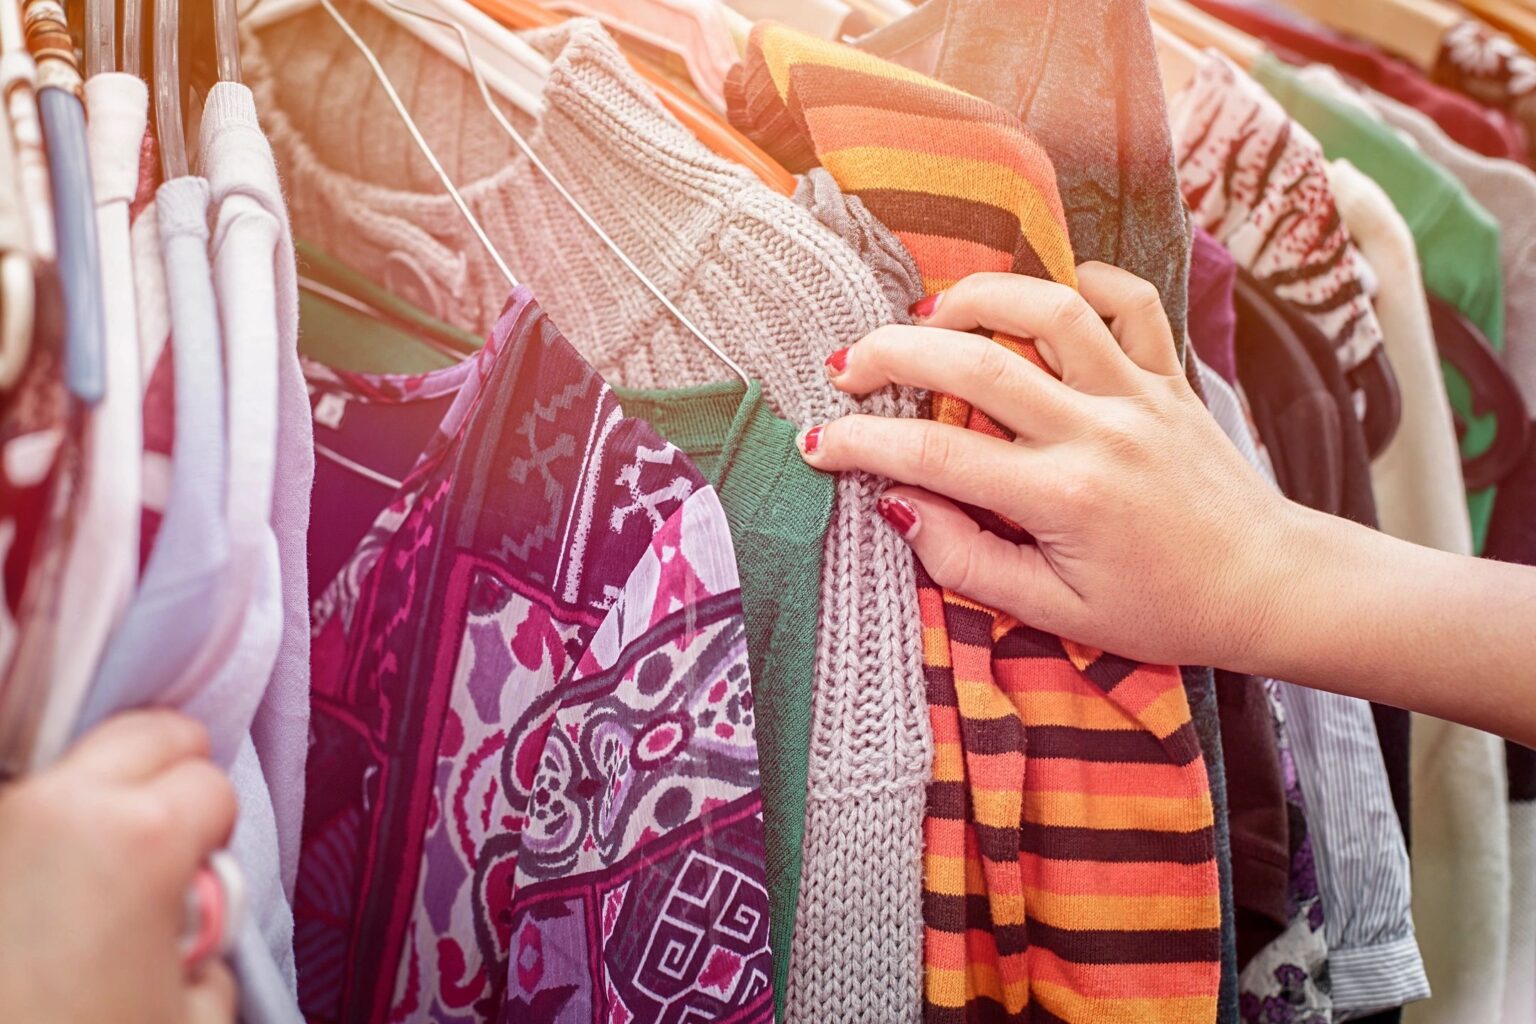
<point x="533" y="782"/>
<point x="1258" y="182"/>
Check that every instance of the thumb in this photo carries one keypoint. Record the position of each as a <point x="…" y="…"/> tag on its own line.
<point x="975" y="563"/>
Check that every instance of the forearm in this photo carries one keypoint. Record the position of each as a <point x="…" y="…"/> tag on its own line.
<point x="1367" y="615"/>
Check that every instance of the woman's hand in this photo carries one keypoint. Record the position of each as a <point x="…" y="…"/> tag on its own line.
<point x="1154" y="537"/>
<point x="96" y="856"/>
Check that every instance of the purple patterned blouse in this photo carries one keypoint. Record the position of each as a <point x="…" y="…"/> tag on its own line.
<point x="533" y="779"/>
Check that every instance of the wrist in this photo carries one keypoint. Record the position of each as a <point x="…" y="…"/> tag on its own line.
<point x="1298" y="564"/>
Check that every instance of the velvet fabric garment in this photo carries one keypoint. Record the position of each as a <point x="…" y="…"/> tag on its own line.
<point x="533" y="791"/>
<point x="1288" y="975"/>
<point x="1293" y="408"/>
<point x="1082" y="76"/>
<point x="1019" y="717"/>
<point x="1374" y="960"/>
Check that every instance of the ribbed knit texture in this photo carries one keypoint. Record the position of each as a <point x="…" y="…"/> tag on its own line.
<point x="778" y="509"/>
<point x="1070" y="865"/>
<point x="761" y="277"/>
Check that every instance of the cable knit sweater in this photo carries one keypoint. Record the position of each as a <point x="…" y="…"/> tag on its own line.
<point x="775" y="288"/>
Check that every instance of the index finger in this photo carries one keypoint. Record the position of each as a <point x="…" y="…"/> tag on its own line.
<point x="1069" y="333"/>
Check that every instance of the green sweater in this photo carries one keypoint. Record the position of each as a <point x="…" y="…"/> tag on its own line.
<point x="357" y="325"/>
<point x="1457" y="239"/>
<point x="778" y="509"/>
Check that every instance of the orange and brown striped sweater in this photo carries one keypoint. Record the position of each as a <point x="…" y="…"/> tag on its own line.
<point x="1069" y="858"/>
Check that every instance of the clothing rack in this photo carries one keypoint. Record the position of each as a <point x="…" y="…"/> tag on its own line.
<point x="414" y="392"/>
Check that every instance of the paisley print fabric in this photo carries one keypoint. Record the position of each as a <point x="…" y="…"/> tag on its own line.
<point x="533" y="786"/>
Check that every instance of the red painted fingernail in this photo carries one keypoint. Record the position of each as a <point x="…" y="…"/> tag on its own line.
<point x="837" y="362"/>
<point x="924" y="307"/>
<point x="810" y="440"/>
<point x="900" y="513"/>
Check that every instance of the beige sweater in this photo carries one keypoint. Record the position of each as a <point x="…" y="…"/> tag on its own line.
<point x="759" y="275"/>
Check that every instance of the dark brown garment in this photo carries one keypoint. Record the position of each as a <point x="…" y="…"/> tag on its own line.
<point x="1258" y="816"/>
<point x="1295" y="412"/>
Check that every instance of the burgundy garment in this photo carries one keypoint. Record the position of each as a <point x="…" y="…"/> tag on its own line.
<point x="1212" y="320"/>
<point x="1479" y="128"/>
<point x="1512" y="530"/>
<point x="1257" y="812"/>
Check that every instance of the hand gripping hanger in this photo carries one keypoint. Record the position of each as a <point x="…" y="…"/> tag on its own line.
<point x="570" y="200"/>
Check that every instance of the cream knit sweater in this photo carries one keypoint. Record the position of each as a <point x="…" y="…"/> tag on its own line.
<point x="759" y="275"/>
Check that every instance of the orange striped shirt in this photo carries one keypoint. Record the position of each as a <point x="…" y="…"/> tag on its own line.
<point x="1069" y="856"/>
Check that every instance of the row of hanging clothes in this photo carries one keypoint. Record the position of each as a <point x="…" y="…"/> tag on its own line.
<point x="410" y="391"/>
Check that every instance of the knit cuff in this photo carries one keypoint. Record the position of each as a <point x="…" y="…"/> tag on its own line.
<point x="1377" y="977"/>
<point x="752" y="100"/>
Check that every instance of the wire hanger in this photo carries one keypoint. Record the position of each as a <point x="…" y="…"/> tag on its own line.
<point x="419" y="139"/>
<point x="515" y="69"/>
<point x="570" y="200"/>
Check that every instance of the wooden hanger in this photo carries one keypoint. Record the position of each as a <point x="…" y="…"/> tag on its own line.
<point x="1411" y="29"/>
<point x="1203" y="31"/>
<point x="704" y="124"/>
<point x="1513" y="16"/>
<point x="692" y="32"/>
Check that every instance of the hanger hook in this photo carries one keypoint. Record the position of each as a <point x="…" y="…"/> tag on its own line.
<point x="474" y="69"/>
<point x="416" y="136"/>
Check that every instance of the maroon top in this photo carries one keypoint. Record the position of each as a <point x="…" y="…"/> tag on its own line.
<point x="1212" y="322"/>
<point x="1479" y="128"/>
